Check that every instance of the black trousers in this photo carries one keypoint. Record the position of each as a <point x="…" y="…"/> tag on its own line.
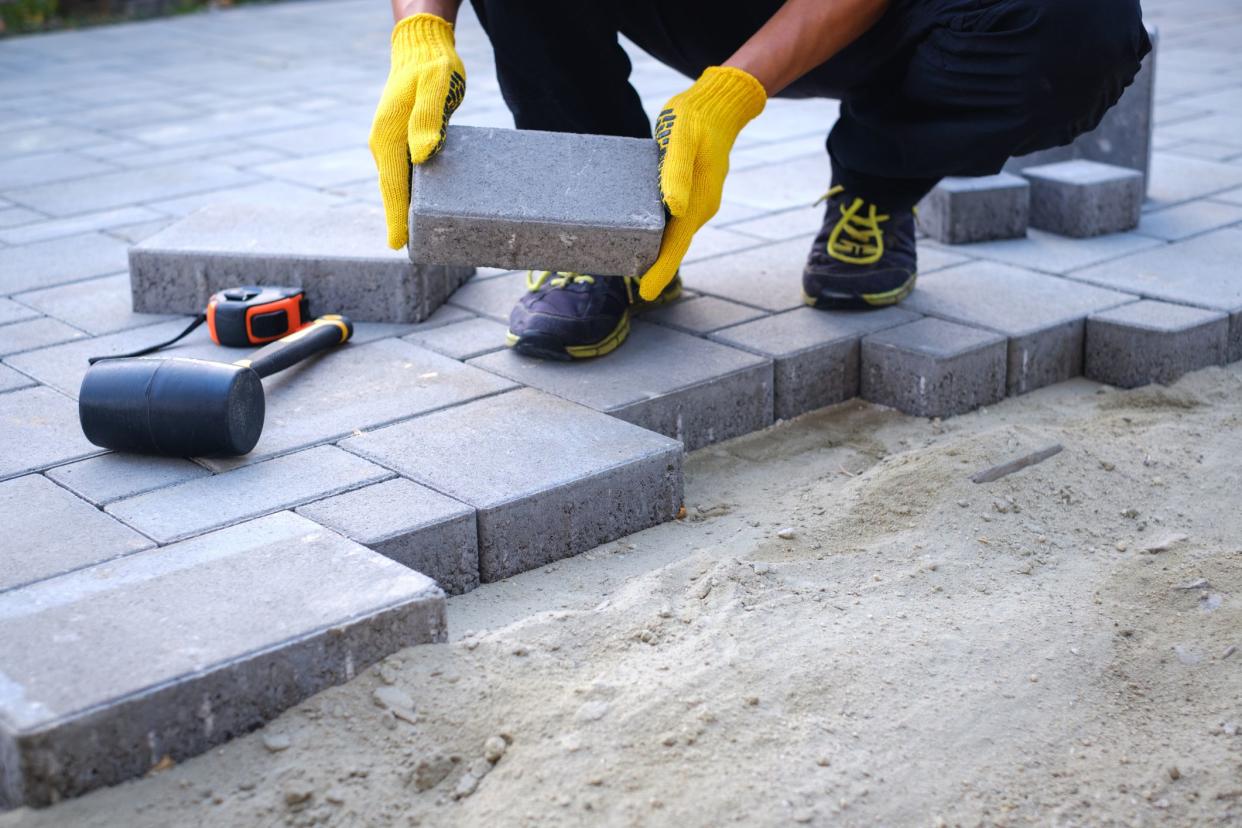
<point x="936" y="88"/>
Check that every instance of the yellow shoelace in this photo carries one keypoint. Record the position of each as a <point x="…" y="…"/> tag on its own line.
<point x="565" y="279"/>
<point x="857" y="237"/>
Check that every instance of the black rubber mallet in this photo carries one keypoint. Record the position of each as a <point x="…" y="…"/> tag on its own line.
<point x="180" y="407"/>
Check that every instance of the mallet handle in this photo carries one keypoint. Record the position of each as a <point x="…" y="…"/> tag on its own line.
<point x="324" y="333"/>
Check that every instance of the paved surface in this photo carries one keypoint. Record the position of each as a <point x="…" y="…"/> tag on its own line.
<point x="109" y="135"/>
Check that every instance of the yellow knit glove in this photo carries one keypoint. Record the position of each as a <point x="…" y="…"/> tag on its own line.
<point x="695" y="133"/>
<point x="425" y="85"/>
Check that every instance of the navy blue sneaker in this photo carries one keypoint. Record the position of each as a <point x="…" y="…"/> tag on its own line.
<point x="577" y="316"/>
<point x="862" y="258"/>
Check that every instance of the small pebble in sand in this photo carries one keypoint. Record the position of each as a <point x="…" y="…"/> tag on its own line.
<point x="1121" y="546"/>
<point x="823" y="761"/>
<point x="298" y="791"/>
<point x="276" y="742"/>
<point x="1230" y="728"/>
<point x="751" y="701"/>
<point x="494" y="748"/>
<point x="1230" y="650"/>
<point x="520" y="651"/>
<point x="668" y="740"/>
<point x="480" y="767"/>
<point x="1034" y="678"/>
<point x="1174" y="773"/>
<point x="786" y="534"/>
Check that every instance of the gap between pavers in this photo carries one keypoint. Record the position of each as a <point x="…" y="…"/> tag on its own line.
<point x="38" y="429"/>
<point x="190" y="645"/>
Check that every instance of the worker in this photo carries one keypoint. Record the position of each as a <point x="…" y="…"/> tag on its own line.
<point x="928" y="89"/>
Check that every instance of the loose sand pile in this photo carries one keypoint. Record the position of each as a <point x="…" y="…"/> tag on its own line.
<point x="843" y="631"/>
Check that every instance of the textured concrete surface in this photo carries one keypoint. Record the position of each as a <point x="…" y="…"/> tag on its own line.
<point x="1081" y="199"/>
<point x="112" y="476"/>
<point x="53" y="532"/>
<point x="38" y="429"/>
<point x="463" y="340"/>
<point x="530" y="199"/>
<point x="174" y="666"/>
<point x="333" y="253"/>
<point x="695" y="391"/>
<point x="933" y="368"/>
<point x="964" y="210"/>
<point x="1151" y="341"/>
<point x="1041" y="316"/>
<point x="415" y="526"/>
<point x="816" y="354"/>
<point x="548" y="477"/>
<point x="701" y="314"/>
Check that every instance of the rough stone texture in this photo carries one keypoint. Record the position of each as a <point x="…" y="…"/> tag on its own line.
<point x="53" y="532"/>
<point x="1202" y="271"/>
<point x="1123" y="137"/>
<point x="411" y="524"/>
<point x="178" y="662"/>
<point x="933" y="368"/>
<point x="1151" y="341"/>
<point x="39" y="428"/>
<point x="965" y="210"/>
<point x="112" y="476"/>
<point x="815" y="353"/>
<point x="681" y="386"/>
<point x="463" y="340"/>
<point x="336" y="254"/>
<point x="1041" y="316"/>
<point x="1081" y="199"/>
<point x="701" y="314"/>
<point x="530" y="199"/>
<point x="549" y="478"/>
<point x="202" y="504"/>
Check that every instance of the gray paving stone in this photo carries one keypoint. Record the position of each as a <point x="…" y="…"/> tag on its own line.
<point x="495" y="197"/>
<point x="206" y="503"/>
<point x="97" y="306"/>
<point x="112" y="476"/>
<point x="538" y="499"/>
<point x="331" y="169"/>
<point x="176" y="663"/>
<point x="134" y="233"/>
<point x="128" y="187"/>
<point x="768" y="278"/>
<point x="11" y="311"/>
<point x="783" y="225"/>
<point x="815" y="353"/>
<point x="1151" y="341"/>
<point x="1084" y="198"/>
<point x="259" y="194"/>
<point x="493" y="297"/>
<point x="444" y="315"/>
<point x="55" y="228"/>
<point x="222" y="123"/>
<point x="461" y="340"/>
<point x="672" y="383"/>
<point x="35" y="333"/>
<point x="1050" y="253"/>
<point x="11" y="380"/>
<point x="18" y="217"/>
<point x="58" y="261"/>
<point x="39" y="428"/>
<point x="713" y="241"/>
<point x="336" y="254"/>
<point x="701" y="314"/>
<point x="965" y="210"/>
<point x="1175" y="179"/>
<point x="27" y="170"/>
<point x="39" y="139"/>
<point x="785" y="184"/>
<point x="415" y="526"/>
<point x="1042" y="317"/>
<point x="55" y="532"/>
<point x="933" y="368"/>
<point x="1202" y="271"/>
<point x="1184" y="220"/>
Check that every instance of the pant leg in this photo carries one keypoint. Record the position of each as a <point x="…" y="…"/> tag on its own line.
<point x="561" y="67"/>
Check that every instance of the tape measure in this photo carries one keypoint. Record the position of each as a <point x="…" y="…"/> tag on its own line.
<point x="243" y="316"/>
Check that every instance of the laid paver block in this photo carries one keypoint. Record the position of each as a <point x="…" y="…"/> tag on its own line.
<point x="113" y="476"/>
<point x="188" y="646"/>
<point x="11" y="311"/>
<point x="1081" y="199"/>
<point x="11" y="380"/>
<point x="415" y="526"/>
<point x="688" y="388"/>
<point x="1202" y="271"/>
<point x="445" y="315"/>
<point x="933" y="368"/>
<point x="336" y="254"/>
<point x="202" y="504"/>
<point x="965" y="210"/>
<point x="35" y="333"/>
<point x="493" y="298"/>
<point x="97" y="306"/>
<point x="530" y="199"/>
<point x="53" y="532"/>
<point x="548" y="477"/>
<point x="39" y="428"/>
<point x="463" y="340"/>
<point x="1151" y="341"/>
<point x="57" y="261"/>
<point x="768" y="278"/>
<point x="127" y="187"/>
<point x="816" y="353"/>
<point x="701" y="314"/>
<point x="1043" y="317"/>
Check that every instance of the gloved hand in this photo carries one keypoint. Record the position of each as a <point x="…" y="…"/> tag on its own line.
<point x="695" y="133"/>
<point x="425" y="86"/>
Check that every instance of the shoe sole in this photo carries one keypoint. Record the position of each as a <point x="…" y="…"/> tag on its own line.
<point x="863" y="301"/>
<point x="545" y="347"/>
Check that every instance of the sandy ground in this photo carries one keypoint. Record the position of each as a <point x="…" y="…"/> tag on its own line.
<point x="1054" y="648"/>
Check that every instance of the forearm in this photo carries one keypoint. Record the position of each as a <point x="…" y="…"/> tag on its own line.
<point x="800" y="36"/>
<point x="446" y="9"/>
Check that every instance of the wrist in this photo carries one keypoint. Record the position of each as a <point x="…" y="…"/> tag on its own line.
<point x="444" y="9"/>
